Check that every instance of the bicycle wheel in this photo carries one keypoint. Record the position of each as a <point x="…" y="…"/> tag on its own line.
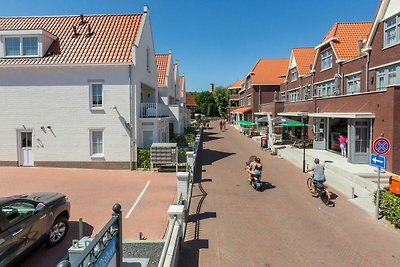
<point x="324" y="195"/>
<point x="309" y="185"/>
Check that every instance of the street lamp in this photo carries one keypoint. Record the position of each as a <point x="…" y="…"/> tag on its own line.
<point x="303" y="120"/>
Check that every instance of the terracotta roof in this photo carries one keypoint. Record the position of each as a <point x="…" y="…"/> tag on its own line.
<point x="235" y="84"/>
<point x="111" y="42"/>
<point x="162" y="64"/>
<point x="242" y="109"/>
<point x="269" y="71"/>
<point x="181" y="85"/>
<point x="347" y="35"/>
<point x="190" y="99"/>
<point x="304" y="57"/>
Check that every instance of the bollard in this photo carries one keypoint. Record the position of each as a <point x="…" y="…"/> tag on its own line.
<point x="64" y="263"/>
<point x="80" y="228"/>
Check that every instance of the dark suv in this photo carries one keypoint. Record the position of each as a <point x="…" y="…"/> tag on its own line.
<point x="26" y="220"/>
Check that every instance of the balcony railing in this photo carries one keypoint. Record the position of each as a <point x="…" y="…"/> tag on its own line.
<point x="152" y="110"/>
<point x="234" y="97"/>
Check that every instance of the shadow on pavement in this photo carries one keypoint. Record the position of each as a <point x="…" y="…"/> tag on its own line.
<point x="190" y="252"/>
<point x="50" y="256"/>
<point x="201" y="216"/>
<point x="213" y="156"/>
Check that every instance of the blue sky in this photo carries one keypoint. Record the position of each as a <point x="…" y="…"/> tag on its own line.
<point x="218" y="41"/>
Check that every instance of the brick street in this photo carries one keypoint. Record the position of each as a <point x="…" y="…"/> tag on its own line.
<point x="233" y="225"/>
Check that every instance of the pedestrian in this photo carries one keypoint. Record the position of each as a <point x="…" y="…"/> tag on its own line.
<point x="224" y="123"/>
<point x="343" y="145"/>
<point x="221" y="124"/>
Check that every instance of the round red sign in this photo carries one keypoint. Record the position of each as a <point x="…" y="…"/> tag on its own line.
<point x="381" y="145"/>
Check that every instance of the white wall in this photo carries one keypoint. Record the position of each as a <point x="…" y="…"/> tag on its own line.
<point x="59" y="97"/>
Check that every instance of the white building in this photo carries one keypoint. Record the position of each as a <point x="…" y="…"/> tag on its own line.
<point x="73" y="87"/>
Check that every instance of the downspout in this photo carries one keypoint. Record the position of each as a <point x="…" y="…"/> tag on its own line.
<point x="131" y="144"/>
<point x="367" y="71"/>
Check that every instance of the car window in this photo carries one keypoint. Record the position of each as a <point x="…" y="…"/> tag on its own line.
<point x="17" y="211"/>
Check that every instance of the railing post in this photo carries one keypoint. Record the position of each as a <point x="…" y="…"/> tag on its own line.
<point x="190" y="160"/>
<point x="178" y="211"/>
<point x="117" y="213"/>
<point x="183" y="187"/>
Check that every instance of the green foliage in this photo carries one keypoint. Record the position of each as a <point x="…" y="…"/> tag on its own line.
<point x="389" y="204"/>
<point x="221" y="97"/>
<point x="143" y="155"/>
<point x="182" y="155"/>
<point x="205" y="103"/>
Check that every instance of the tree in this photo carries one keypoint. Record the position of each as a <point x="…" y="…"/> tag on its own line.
<point x="222" y="100"/>
<point x="205" y="103"/>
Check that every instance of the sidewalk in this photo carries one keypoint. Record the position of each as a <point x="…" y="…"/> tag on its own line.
<point x="357" y="182"/>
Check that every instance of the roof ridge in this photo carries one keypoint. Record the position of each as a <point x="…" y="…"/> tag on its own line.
<point x="75" y="15"/>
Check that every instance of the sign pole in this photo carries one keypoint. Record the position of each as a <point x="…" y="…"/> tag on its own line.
<point x="377" y="194"/>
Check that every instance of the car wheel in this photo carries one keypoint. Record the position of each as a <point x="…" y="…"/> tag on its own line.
<point x="58" y="231"/>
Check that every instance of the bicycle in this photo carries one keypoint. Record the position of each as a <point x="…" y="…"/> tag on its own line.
<point x="321" y="191"/>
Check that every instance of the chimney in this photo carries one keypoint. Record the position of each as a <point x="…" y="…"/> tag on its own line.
<point x="89" y="31"/>
<point x="360" y="45"/>
<point x="82" y="22"/>
<point x="146" y="9"/>
<point x="211" y="87"/>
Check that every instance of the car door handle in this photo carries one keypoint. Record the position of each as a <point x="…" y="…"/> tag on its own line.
<point x="17" y="232"/>
<point x="44" y="216"/>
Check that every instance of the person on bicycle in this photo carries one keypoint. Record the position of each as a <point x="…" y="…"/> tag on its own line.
<point x="254" y="169"/>
<point x="318" y="173"/>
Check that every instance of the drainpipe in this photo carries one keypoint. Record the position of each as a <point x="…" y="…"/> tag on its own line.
<point x="131" y="125"/>
<point x="367" y="70"/>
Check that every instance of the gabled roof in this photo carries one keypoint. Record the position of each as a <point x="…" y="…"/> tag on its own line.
<point x="162" y="67"/>
<point x="181" y="85"/>
<point x="304" y="57"/>
<point x="269" y="71"/>
<point x="344" y="36"/>
<point x="111" y="42"/>
<point x="235" y="85"/>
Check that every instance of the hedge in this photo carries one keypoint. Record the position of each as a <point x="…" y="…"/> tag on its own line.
<point x="389" y="205"/>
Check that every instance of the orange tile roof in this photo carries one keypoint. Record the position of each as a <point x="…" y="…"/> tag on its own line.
<point x="162" y="63"/>
<point x="190" y="99"/>
<point x="242" y="109"/>
<point x="235" y="84"/>
<point x="304" y="57"/>
<point x="347" y="35"/>
<point x="269" y="71"/>
<point x="181" y="85"/>
<point x="111" y="42"/>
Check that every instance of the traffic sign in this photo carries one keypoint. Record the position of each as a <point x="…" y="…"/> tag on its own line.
<point x="381" y="145"/>
<point x="378" y="161"/>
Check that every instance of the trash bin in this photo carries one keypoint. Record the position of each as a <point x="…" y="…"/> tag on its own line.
<point x="264" y="142"/>
<point x="394" y="184"/>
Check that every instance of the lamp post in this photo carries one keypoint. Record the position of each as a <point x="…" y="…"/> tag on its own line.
<point x="303" y="120"/>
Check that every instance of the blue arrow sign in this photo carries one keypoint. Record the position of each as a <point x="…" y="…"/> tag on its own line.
<point x="378" y="161"/>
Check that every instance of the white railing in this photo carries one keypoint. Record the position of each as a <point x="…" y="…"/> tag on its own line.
<point x="152" y="110"/>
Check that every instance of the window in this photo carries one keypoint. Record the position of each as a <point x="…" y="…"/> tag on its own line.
<point x="353" y="84"/>
<point x="97" y="144"/>
<point x="283" y="96"/>
<point x="16" y="212"/>
<point x="392" y="31"/>
<point x="387" y="76"/>
<point x="326" y="59"/>
<point x="25" y="46"/>
<point x="248" y="83"/>
<point x="293" y="74"/>
<point x="307" y="92"/>
<point x="294" y="95"/>
<point x="249" y="100"/>
<point x="326" y="89"/>
<point x="96" y="95"/>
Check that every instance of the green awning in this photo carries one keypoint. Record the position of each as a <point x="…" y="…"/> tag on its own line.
<point x="294" y="124"/>
<point x="246" y="123"/>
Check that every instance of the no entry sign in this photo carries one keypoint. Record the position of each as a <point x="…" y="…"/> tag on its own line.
<point x="381" y="145"/>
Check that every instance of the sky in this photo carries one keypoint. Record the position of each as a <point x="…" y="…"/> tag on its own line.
<point x="217" y="41"/>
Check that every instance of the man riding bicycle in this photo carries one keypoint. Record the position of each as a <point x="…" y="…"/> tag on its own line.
<point x="318" y="174"/>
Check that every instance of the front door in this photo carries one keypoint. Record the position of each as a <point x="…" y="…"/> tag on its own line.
<point x="319" y="133"/>
<point x="359" y="140"/>
<point x="25" y="148"/>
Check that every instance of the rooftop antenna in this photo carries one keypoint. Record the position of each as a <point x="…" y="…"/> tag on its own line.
<point x="82" y="22"/>
<point x="89" y="33"/>
<point x="75" y="34"/>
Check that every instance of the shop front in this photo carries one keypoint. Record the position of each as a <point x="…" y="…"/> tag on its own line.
<point x="357" y="127"/>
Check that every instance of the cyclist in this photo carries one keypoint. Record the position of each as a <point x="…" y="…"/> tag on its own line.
<point x="318" y="176"/>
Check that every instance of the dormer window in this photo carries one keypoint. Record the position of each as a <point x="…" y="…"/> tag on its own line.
<point x="293" y="74"/>
<point x="21" y="46"/>
<point x="392" y="29"/>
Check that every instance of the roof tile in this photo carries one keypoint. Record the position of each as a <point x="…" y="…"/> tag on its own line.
<point x="269" y="71"/>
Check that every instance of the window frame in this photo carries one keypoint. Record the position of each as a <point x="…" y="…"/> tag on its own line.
<point x="92" y="153"/>
<point x="328" y="87"/>
<point x="91" y="95"/>
<point x="327" y="55"/>
<point x="21" y="47"/>
<point x="395" y="27"/>
<point x="383" y="76"/>
<point x="293" y="74"/>
<point x="352" y="80"/>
